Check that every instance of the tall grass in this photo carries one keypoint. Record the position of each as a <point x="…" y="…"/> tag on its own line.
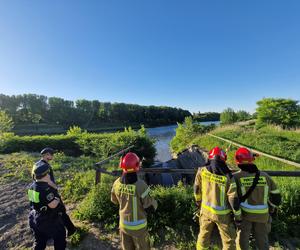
<point x="268" y="139"/>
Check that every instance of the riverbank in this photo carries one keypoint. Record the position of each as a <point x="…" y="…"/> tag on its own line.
<point x="287" y="222"/>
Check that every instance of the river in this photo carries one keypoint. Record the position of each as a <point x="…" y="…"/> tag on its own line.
<point x="163" y="136"/>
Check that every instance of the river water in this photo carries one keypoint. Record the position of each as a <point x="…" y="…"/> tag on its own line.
<point x="163" y="136"/>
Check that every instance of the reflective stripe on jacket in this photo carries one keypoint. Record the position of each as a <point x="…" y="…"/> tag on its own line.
<point x="216" y="193"/>
<point x="132" y="200"/>
<point x="256" y="207"/>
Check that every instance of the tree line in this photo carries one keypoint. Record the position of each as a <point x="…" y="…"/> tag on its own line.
<point x="35" y="109"/>
<point x="275" y="111"/>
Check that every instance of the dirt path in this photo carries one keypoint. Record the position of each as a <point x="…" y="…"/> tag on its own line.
<point x="14" y="230"/>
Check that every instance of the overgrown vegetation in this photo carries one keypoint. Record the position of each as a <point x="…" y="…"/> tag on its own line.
<point x="186" y="132"/>
<point x="286" y="223"/>
<point x="77" y="143"/>
<point x="6" y="123"/>
<point x="268" y="139"/>
<point x="229" y="116"/>
<point x="172" y="222"/>
<point x="278" y="111"/>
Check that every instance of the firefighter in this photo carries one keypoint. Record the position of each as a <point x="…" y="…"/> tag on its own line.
<point x="45" y="216"/>
<point x="132" y="196"/>
<point x="217" y="199"/>
<point x="47" y="155"/>
<point x="259" y="196"/>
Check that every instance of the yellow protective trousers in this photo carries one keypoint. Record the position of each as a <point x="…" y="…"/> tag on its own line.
<point x="261" y="231"/>
<point x="226" y="229"/>
<point x="140" y="242"/>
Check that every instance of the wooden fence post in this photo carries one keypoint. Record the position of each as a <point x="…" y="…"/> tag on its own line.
<point x="98" y="176"/>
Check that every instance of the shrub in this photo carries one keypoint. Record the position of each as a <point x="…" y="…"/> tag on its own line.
<point x="75" y="144"/>
<point x="64" y="143"/>
<point x="228" y="116"/>
<point x="171" y="222"/>
<point x="103" y="145"/>
<point x="278" y="111"/>
<point x="186" y="132"/>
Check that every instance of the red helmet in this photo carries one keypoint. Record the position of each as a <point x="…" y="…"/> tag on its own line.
<point x="130" y="163"/>
<point x="217" y="152"/>
<point x="244" y="156"/>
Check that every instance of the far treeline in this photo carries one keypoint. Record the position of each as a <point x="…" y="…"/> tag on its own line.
<point x="38" y="109"/>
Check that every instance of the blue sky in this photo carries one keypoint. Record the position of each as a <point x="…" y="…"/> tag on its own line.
<point x="197" y="55"/>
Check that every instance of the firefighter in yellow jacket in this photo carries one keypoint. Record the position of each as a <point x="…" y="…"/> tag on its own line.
<point x="216" y="196"/>
<point x="132" y="196"/>
<point x="259" y="196"/>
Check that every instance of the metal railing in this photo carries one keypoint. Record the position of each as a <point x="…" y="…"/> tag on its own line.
<point x="100" y="171"/>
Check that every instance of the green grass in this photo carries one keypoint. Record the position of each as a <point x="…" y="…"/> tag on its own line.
<point x="273" y="141"/>
<point x="268" y="139"/>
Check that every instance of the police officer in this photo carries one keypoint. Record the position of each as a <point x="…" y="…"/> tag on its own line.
<point x="216" y="196"/>
<point x="47" y="155"/>
<point x="132" y="196"/>
<point x="259" y="196"/>
<point x="45" y="216"/>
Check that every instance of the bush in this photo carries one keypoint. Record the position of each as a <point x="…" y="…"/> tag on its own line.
<point x="103" y="145"/>
<point x="278" y="111"/>
<point x="75" y="144"/>
<point x="98" y="207"/>
<point x="172" y="221"/>
<point x="64" y="143"/>
<point x="186" y="132"/>
<point x="228" y="116"/>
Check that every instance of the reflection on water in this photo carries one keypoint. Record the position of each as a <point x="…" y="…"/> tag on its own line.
<point x="163" y="136"/>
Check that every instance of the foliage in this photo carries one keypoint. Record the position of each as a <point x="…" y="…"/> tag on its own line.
<point x="171" y="222"/>
<point x="173" y="219"/>
<point x="103" y="145"/>
<point x="74" y="130"/>
<point x="186" y="132"/>
<point x="269" y="139"/>
<point x="75" y="189"/>
<point x="62" y="143"/>
<point x="228" y="116"/>
<point x="98" y="145"/>
<point x="34" y="109"/>
<point x="243" y="115"/>
<point x="78" y="236"/>
<point x="278" y="111"/>
<point x="6" y="123"/>
<point x="98" y="207"/>
<point x="206" y="117"/>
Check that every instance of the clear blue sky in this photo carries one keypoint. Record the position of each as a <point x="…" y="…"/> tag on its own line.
<point x="197" y="55"/>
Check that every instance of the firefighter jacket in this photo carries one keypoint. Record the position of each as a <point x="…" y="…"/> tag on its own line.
<point x="217" y="195"/>
<point x="132" y="199"/>
<point x="256" y="207"/>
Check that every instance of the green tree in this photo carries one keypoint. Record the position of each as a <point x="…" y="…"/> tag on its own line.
<point x="228" y="116"/>
<point x="278" y="111"/>
<point x="6" y="122"/>
<point x="243" y="115"/>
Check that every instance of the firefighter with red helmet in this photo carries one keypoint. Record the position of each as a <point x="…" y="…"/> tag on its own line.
<point x="259" y="196"/>
<point x="132" y="196"/>
<point x="216" y="196"/>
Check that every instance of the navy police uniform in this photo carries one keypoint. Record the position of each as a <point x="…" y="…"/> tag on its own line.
<point x="46" y="223"/>
<point x="65" y="217"/>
